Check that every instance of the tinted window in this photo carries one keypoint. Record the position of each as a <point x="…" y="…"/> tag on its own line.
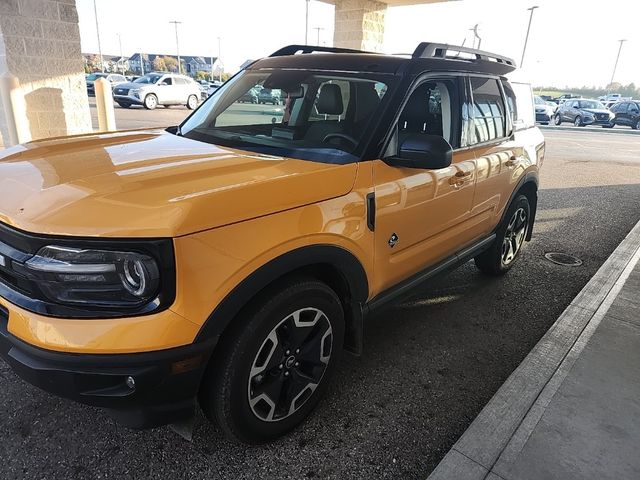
<point x="633" y="108"/>
<point x="620" y="108"/>
<point x="488" y="112"/>
<point x="511" y="101"/>
<point x="432" y="109"/>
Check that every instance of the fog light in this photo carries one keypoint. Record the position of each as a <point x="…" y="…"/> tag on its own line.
<point x="131" y="383"/>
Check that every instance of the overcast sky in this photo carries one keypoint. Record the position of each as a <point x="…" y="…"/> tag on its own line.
<point x="572" y="42"/>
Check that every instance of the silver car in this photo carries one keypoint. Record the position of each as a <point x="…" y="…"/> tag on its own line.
<point x="158" y="88"/>
<point x="113" y="78"/>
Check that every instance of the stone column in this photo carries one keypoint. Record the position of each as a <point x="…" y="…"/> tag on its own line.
<point x="40" y="46"/>
<point x="359" y="24"/>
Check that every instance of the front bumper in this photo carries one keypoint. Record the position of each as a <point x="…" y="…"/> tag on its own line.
<point x="542" y="117"/>
<point x="130" y="99"/>
<point x="166" y="381"/>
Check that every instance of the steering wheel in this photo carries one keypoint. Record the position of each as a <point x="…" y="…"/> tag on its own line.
<point x="342" y="136"/>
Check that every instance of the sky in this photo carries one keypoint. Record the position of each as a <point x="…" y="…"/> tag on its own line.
<point x="572" y="43"/>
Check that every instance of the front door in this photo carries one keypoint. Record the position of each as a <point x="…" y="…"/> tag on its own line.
<point x="422" y="215"/>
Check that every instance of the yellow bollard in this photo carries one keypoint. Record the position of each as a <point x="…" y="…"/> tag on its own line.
<point x="104" y="104"/>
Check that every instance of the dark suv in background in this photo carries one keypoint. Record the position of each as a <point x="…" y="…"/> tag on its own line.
<point x="627" y="114"/>
<point x="583" y="112"/>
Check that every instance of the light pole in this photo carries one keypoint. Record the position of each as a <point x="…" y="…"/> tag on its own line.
<point x="121" y="57"/>
<point x="219" y="60"/>
<point x="526" y="39"/>
<point x="306" y="25"/>
<point x="475" y="35"/>
<point x="95" y="11"/>
<point x="615" y="67"/>
<point x="141" y="62"/>
<point x="176" y="23"/>
<point x="317" y="29"/>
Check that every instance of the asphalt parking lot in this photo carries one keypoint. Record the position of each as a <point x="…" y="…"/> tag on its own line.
<point x="431" y="362"/>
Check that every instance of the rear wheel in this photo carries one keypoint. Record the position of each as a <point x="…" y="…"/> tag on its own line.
<point x="192" y="102"/>
<point x="150" y="101"/>
<point x="276" y="364"/>
<point x="510" y="236"/>
<point x="637" y="125"/>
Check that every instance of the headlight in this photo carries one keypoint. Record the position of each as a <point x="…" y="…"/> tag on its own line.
<point x="100" y="278"/>
<point x="134" y="91"/>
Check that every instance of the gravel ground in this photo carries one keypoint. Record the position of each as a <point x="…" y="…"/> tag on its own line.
<point x="431" y="362"/>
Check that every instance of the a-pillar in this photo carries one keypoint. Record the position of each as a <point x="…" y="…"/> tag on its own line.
<point x="40" y="46"/>
<point x="359" y="24"/>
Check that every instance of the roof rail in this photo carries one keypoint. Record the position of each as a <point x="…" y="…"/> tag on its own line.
<point x="441" y="50"/>
<point x="293" y="49"/>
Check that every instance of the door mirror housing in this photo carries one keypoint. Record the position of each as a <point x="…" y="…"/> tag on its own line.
<point x="427" y="152"/>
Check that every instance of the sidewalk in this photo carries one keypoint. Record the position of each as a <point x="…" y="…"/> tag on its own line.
<point x="571" y="410"/>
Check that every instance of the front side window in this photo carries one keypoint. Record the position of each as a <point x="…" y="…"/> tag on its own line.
<point x="148" y="79"/>
<point x="318" y="116"/>
<point x="433" y="109"/>
<point x="488" y="111"/>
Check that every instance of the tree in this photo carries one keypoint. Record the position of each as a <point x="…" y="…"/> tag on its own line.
<point x="159" y="64"/>
<point x="171" y="64"/>
<point x="200" y="75"/>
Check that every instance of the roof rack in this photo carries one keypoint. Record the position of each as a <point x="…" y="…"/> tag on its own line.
<point x="294" y="49"/>
<point x="441" y="50"/>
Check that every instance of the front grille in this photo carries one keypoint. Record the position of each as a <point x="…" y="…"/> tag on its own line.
<point x="121" y="91"/>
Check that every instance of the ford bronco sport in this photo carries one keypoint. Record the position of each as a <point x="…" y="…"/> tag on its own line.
<point x="232" y="258"/>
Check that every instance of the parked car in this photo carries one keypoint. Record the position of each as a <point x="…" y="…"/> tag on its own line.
<point x="158" y="88"/>
<point x="113" y="78"/>
<point x="583" y="112"/>
<point x="232" y="258"/>
<point x="544" y="111"/>
<point x="251" y="96"/>
<point x="268" y="95"/>
<point x="626" y="114"/>
<point x="213" y="87"/>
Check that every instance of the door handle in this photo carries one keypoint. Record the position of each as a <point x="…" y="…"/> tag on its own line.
<point x="459" y="178"/>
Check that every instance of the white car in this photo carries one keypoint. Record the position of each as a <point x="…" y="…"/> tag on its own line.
<point x="114" y="79"/>
<point x="158" y="88"/>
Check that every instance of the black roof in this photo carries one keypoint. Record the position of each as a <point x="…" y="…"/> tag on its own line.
<point x="426" y="57"/>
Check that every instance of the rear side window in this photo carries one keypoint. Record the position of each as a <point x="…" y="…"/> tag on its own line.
<point x="488" y="111"/>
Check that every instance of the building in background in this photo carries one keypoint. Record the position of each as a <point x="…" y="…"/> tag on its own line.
<point x="190" y="64"/>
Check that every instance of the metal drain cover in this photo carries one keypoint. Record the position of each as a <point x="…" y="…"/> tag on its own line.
<point x="563" y="259"/>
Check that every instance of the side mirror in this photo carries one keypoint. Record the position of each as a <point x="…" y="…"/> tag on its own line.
<point x="427" y="152"/>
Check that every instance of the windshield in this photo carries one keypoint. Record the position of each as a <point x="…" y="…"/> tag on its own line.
<point x="95" y="76"/>
<point x="311" y="116"/>
<point x="151" y="78"/>
<point x="591" y="104"/>
<point x="539" y="101"/>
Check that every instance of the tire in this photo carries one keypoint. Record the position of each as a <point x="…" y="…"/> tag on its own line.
<point x="266" y="338"/>
<point x="192" y="102"/>
<point x="124" y="105"/>
<point x="254" y="101"/>
<point x="637" y="125"/>
<point x="557" y="120"/>
<point x="512" y="231"/>
<point x="578" y="121"/>
<point x="150" y="101"/>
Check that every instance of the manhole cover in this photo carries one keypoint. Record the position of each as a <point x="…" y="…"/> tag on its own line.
<point x="563" y="259"/>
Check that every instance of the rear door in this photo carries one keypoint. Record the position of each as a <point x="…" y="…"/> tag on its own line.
<point x="633" y="114"/>
<point x="423" y="216"/>
<point x="621" y="113"/>
<point x="499" y="159"/>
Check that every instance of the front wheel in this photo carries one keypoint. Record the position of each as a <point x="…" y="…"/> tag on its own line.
<point x="557" y="120"/>
<point x="150" y="101"/>
<point x="510" y="236"/>
<point x="276" y="362"/>
<point x="578" y="121"/>
<point x="192" y="102"/>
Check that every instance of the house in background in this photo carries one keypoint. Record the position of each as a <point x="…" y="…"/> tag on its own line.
<point x="110" y="63"/>
<point x="143" y="63"/>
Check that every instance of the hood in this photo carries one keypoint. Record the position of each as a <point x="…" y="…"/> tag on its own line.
<point x="595" y="110"/>
<point x="152" y="184"/>
<point x="130" y="85"/>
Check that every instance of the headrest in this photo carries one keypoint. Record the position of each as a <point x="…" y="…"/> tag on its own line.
<point x="330" y="100"/>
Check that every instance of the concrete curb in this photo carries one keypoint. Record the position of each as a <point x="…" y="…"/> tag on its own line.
<point x="608" y="131"/>
<point x="506" y="422"/>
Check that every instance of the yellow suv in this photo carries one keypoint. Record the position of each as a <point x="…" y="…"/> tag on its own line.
<point x="231" y="259"/>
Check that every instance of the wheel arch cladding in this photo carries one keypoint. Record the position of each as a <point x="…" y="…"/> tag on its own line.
<point x="335" y="266"/>
<point x="529" y="188"/>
